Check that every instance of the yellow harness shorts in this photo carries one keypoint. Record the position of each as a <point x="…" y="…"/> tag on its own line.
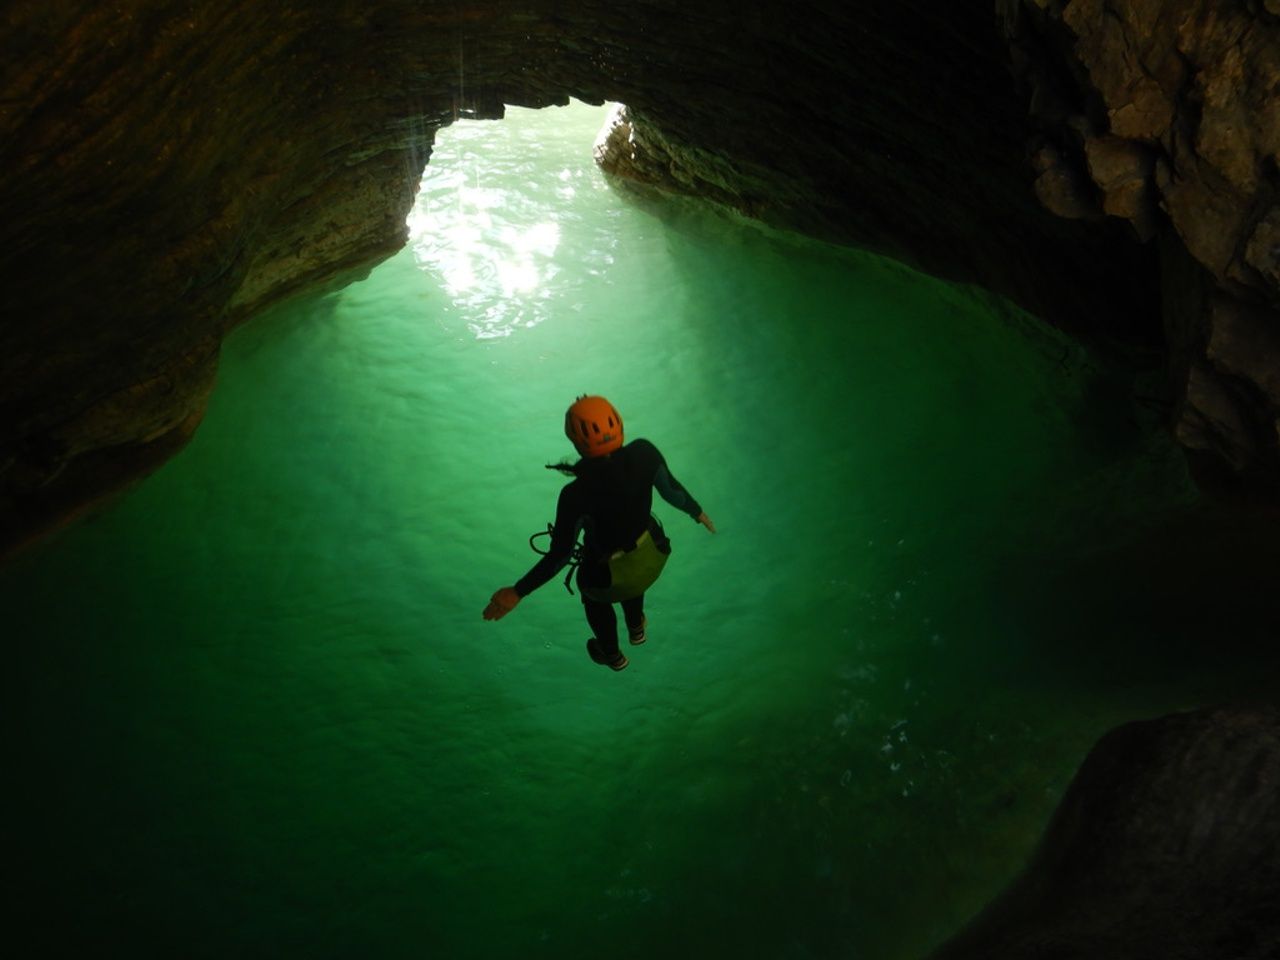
<point x="632" y="572"/>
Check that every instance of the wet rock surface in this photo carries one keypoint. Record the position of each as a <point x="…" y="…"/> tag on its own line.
<point x="173" y="169"/>
<point x="1166" y="846"/>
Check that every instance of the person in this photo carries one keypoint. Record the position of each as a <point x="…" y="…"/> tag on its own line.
<point x="624" y="546"/>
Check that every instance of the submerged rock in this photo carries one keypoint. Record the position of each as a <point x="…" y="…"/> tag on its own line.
<point x="1166" y="846"/>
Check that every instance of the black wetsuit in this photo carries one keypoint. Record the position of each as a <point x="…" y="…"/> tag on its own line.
<point x="610" y="500"/>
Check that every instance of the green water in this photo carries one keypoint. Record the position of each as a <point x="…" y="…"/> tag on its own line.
<point x="259" y="714"/>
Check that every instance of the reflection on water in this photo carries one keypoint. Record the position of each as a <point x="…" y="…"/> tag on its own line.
<point x="493" y="246"/>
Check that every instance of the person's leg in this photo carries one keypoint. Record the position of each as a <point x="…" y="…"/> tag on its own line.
<point x="604" y="624"/>
<point x="600" y="616"/>
<point x="633" y="613"/>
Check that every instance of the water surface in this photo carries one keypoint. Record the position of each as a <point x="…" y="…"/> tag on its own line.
<point x="259" y="713"/>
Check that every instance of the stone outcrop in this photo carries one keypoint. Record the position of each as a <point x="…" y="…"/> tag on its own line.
<point x="1166" y="846"/>
<point x="1166" y="114"/>
<point x="170" y="169"/>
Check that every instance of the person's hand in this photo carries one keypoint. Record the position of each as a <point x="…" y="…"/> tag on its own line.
<point x="706" y="522"/>
<point x="501" y="603"/>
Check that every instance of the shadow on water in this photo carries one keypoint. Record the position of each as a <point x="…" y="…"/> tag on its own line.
<point x="1187" y="603"/>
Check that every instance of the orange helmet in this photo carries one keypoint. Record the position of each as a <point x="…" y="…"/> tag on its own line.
<point x="594" y="426"/>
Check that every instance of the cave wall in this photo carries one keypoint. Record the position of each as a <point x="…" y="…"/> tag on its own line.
<point x="1166" y="114"/>
<point x="172" y="168"/>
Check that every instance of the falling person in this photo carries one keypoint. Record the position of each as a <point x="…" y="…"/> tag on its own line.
<point x="624" y="546"/>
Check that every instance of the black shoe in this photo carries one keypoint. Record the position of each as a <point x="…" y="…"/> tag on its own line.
<point x="598" y="655"/>
<point x="637" y="633"/>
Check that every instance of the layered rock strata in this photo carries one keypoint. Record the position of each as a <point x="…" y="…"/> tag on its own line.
<point x="1166" y="846"/>
<point x="171" y="169"/>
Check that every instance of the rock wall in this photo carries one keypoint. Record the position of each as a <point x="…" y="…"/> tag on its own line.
<point x="172" y="168"/>
<point x="1166" y="114"/>
<point x="1166" y="846"/>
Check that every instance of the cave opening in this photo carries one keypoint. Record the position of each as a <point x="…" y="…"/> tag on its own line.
<point x="274" y="721"/>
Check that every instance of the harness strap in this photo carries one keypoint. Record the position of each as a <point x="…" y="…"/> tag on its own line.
<point x="575" y="558"/>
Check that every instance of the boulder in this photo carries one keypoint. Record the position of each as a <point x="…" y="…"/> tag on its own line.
<point x="1166" y="846"/>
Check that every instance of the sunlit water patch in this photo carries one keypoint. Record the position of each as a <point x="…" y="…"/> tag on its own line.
<point x="493" y="238"/>
<point x="260" y="713"/>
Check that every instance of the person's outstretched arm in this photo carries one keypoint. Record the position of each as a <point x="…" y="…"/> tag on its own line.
<point x="563" y="536"/>
<point x="672" y="491"/>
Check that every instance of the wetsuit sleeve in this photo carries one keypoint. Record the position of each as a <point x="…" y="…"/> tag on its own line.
<point x="670" y="489"/>
<point x="563" y="536"/>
